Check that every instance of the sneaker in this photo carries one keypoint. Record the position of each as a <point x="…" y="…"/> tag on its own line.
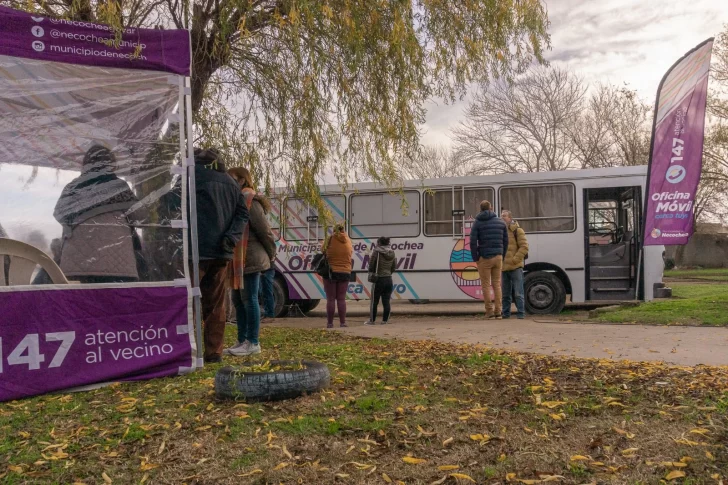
<point x="229" y="351"/>
<point x="499" y="317"/>
<point x="385" y="323"/>
<point x="329" y="325"/>
<point x="253" y="349"/>
<point x="520" y="317"/>
<point x="505" y="317"/>
<point x="240" y="350"/>
<point x="490" y="317"/>
<point x="370" y="323"/>
<point x="267" y="320"/>
<point x="343" y="325"/>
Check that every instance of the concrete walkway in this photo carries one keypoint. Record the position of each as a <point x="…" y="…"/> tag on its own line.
<point x="676" y="345"/>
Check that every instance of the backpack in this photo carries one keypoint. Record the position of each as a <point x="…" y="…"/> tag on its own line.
<point x="515" y="235"/>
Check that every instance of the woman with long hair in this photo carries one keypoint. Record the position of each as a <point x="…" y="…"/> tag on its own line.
<point x="338" y="251"/>
<point x="252" y="256"/>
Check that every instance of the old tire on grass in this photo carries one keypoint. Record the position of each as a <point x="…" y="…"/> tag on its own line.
<point x="235" y="383"/>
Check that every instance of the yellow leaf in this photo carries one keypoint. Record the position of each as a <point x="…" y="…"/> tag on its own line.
<point x="281" y="466"/>
<point x="510" y="477"/>
<point x="686" y="459"/>
<point x="479" y="437"/>
<point x="287" y="453"/>
<point x="556" y="417"/>
<point x="15" y="469"/>
<point x="529" y="482"/>
<point x="674" y="475"/>
<point x="701" y="431"/>
<point x="502" y="457"/>
<point x="251" y="473"/>
<point x="629" y="451"/>
<point x="447" y="468"/>
<point x="580" y="458"/>
<point x="386" y="478"/>
<point x="616" y="403"/>
<point x="462" y="476"/>
<point x="440" y="481"/>
<point x="412" y="460"/>
<point x="342" y="475"/>
<point x="715" y="476"/>
<point x="106" y="478"/>
<point x="623" y="433"/>
<point x="551" y="478"/>
<point x="360" y="466"/>
<point x="148" y="466"/>
<point x="709" y="456"/>
<point x="448" y="441"/>
<point x="552" y="404"/>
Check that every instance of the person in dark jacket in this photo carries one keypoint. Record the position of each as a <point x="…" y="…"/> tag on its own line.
<point x="221" y="218"/>
<point x="382" y="264"/>
<point x="488" y="247"/>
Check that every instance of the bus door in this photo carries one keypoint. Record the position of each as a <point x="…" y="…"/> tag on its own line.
<point x="613" y="240"/>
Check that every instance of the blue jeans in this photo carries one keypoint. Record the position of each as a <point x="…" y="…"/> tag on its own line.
<point x="512" y="282"/>
<point x="266" y="292"/>
<point x="247" y="308"/>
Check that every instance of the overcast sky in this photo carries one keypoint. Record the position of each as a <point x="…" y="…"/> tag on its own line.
<point x="612" y="41"/>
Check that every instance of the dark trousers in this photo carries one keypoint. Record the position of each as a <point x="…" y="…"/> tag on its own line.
<point x="382" y="289"/>
<point x="213" y="275"/>
<point x="266" y="291"/>
<point x="247" y="309"/>
<point x="513" y="284"/>
<point x="335" y="297"/>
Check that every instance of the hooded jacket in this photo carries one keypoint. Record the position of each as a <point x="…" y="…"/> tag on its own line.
<point x="385" y="258"/>
<point x="488" y="236"/>
<point x="221" y="211"/>
<point x="339" y="252"/>
<point x="517" y="247"/>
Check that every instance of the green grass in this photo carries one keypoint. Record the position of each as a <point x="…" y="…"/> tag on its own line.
<point x="699" y="274"/>
<point x="696" y="304"/>
<point x="387" y="400"/>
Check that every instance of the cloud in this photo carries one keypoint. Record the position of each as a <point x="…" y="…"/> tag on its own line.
<point x="632" y="42"/>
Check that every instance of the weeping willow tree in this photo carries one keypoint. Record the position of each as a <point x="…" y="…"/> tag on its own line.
<point x="294" y="89"/>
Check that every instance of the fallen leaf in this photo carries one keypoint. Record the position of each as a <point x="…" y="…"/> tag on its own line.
<point x="622" y="432"/>
<point x="510" y="477"/>
<point x="251" y="473"/>
<point x="448" y="441"/>
<point x="529" y="482"/>
<point x="462" y="476"/>
<point x="551" y="478"/>
<point x="106" y="478"/>
<point x="673" y="475"/>
<point x="709" y="456"/>
<point x="287" y="453"/>
<point x="342" y="475"/>
<point x="557" y="417"/>
<point x="552" y="404"/>
<point x="629" y="451"/>
<point x="447" y="468"/>
<point x="281" y="466"/>
<point x="580" y="458"/>
<point x="386" y="478"/>
<point x="479" y="437"/>
<point x="412" y="460"/>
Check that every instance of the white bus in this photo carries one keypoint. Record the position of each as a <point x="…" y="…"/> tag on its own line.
<point x="584" y="232"/>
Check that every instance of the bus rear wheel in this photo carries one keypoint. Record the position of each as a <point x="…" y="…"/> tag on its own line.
<point x="544" y="292"/>
<point x="280" y="296"/>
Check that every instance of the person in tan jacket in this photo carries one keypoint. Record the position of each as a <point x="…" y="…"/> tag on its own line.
<point x="512" y="280"/>
<point x="338" y="251"/>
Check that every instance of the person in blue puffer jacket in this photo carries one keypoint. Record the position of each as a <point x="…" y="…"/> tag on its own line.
<point x="488" y="247"/>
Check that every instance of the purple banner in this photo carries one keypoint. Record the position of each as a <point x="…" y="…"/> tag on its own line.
<point x="49" y="39"/>
<point x="676" y="155"/>
<point x="78" y="337"/>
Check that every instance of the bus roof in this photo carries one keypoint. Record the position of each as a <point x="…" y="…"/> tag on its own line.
<point x="530" y="177"/>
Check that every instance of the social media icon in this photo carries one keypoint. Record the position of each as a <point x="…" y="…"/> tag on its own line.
<point x="38" y="46"/>
<point x="37" y="31"/>
<point x="675" y="174"/>
<point x="37" y="19"/>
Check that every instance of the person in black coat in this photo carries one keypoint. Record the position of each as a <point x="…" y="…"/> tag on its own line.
<point x="221" y="218"/>
<point x="488" y="247"/>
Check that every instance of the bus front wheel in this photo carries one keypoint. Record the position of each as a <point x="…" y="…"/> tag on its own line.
<point x="544" y="293"/>
<point x="280" y="292"/>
